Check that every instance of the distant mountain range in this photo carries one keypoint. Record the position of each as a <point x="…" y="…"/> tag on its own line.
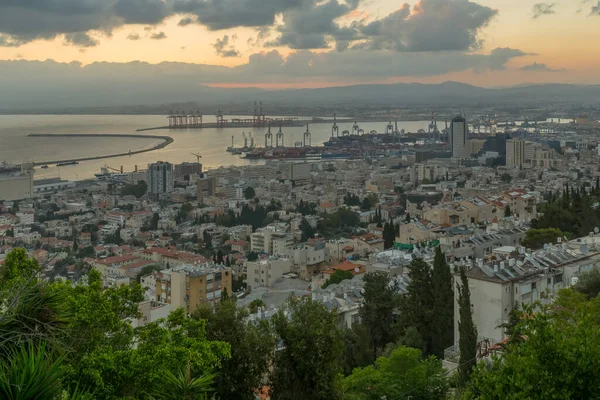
<point x="105" y="96"/>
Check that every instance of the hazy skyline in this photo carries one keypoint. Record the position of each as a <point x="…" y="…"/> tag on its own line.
<point x="307" y="43"/>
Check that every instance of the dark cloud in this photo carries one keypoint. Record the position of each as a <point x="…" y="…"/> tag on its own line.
<point x="186" y="21"/>
<point x="133" y="36"/>
<point x="432" y="25"/>
<point x="266" y="67"/>
<point x="262" y="33"/>
<point x="225" y="14"/>
<point x="158" y="36"/>
<point x="142" y="11"/>
<point x="80" y="39"/>
<point x="541" y="9"/>
<point x="9" y="41"/>
<point x="225" y="48"/>
<point x="539" y="67"/>
<point x="502" y="55"/>
<point x="312" y="26"/>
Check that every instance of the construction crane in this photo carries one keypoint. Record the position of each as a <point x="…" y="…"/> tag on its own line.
<point x="114" y="169"/>
<point x="198" y="157"/>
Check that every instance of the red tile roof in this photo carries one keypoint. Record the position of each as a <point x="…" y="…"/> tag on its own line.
<point x="346" y="266"/>
<point x="116" y="259"/>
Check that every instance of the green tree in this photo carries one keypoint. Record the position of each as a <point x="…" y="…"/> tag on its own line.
<point x="389" y="234"/>
<point x="308" y="232"/>
<point x="252" y="349"/>
<point x="560" y="358"/>
<point x="154" y="221"/>
<point x="171" y="344"/>
<point x="249" y="193"/>
<point x="589" y="283"/>
<point x="255" y="305"/>
<point x="506" y="177"/>
<point x="147" y="270"/>
<point x="377" y="310"/>
<point x="252" y="256"/>
<point x="466" y="330"/>
<point x="366" y="204"/>
<point x="138" y="190"/>
<point x="31" y="312"/>
<point x="207" y="239"/>
<point x="417" y="305"/>
<point x="338" y="276"/>
<point x="33" y="372"/>
<point x="507" y="211"/>
<point x="183" y="386"/>
<point x="403" y="374"/>
<point x="537" y="238"/>
<point x="352" y="200"/>
<point x="17" y="267"/>
<point x="443" y="305"/>
<point x="98" y="329"/>
<point x="84" y="252"/>
<point x="357" y="348"/>
<point x="309" y="364"/>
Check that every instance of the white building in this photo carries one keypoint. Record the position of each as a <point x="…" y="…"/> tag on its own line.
<point x="458" y="137"/>
<point x="16" y="183"/>
<point x="25" y="218"/>
<point x="271" y="240"/>
<point x="497" y="287"/>
<point x="160" y="178"/>
<point x="265" y="273"/>
<point x="518" y="152"/>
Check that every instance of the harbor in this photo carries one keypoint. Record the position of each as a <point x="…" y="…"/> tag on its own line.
<point x="166" y="140"/>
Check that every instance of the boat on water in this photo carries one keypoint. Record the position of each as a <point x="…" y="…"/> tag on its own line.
<point x="106" y="175"/>
<point x="67" y="163"/>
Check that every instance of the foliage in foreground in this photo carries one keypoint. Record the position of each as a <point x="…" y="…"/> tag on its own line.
<point x="559" y="357"/>
<point x="404" y="372"/>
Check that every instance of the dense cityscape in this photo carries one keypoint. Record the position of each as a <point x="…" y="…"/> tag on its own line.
<point x="299" y="200"/>
<point x="415" y="245"/>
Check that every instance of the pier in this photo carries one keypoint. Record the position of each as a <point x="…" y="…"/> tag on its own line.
<point x="167" y="140"/>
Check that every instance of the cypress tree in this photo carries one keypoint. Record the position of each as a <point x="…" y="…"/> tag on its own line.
<point x="467" y="331"/>
<point x="417" y="305"/>
<point x="443" y="304"/>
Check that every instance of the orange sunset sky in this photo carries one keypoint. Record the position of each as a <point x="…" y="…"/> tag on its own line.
<point x="556" y="41"/>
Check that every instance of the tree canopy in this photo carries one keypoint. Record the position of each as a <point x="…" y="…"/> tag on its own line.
<point x="403" y="373"/>
<point x="338" y="276"/>
<point x="309" y="363"/>
<point x="559" y="358"/>
<point x="537" y="238"/>
<point x="138" y="190"/>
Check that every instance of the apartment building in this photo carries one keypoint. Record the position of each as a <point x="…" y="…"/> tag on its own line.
<point x="192" y="285"/>
<point x="264" y="273"/>
<point x="498" y="286"/>
<point x="271" y="240"/>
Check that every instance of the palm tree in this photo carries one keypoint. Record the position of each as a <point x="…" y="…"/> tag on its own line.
<point x="32" y="372"/>
<point x="182" y="386"/>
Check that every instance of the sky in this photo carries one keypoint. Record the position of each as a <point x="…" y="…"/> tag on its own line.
<point x="276" y="44"/>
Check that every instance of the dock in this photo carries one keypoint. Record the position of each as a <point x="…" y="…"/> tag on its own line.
<point x="167" y="140"/>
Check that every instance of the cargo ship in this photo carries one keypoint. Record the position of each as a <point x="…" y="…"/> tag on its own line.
<point x="63" y="164"/>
